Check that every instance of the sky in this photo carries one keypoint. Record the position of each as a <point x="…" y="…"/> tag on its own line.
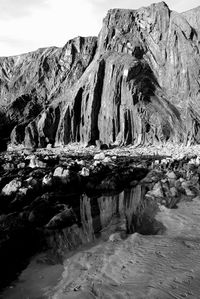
<point x="26" y="25"/>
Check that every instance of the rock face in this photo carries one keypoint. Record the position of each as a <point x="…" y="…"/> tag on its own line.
<point x="137" y="83"/>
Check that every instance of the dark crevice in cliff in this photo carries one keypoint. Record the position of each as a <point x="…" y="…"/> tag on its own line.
<point x="97" y="102"/>
<point x="77" y="115"/>
<point x="67" y="126"/>
<point x="128" y="128"/>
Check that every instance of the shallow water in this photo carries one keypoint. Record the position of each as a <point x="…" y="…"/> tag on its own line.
<point x="98" y="218"/>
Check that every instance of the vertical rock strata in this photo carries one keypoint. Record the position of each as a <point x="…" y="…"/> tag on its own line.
<point x="138" y="83"/>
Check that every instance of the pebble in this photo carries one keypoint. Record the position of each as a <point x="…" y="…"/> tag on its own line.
<point x="21" y="165"/>
<point x="171" y="175"/>
<point x="61" y="172"/>
<point x="100" y="156"/>
<point x="157" y="190"/>
<point x="107" y="160"/>
<point x="189" y="192"/>
<point x="47" y="180"/>
<point x="173" y="191"/>
<point x="81" y="162"/>
<point x="96" y="163"/>
<point x="115" y="237"/>
<point x="36" y="163"/>
<point x="85" y="172"/>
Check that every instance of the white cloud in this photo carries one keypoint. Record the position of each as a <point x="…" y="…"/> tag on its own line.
<point x="29" y="24"/>
<point x="19" y="8"/>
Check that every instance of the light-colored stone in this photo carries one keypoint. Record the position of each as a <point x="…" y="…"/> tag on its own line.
<point x="85" y="172"/>
<point x="96" y="163"/>
<point x="157" y="190"/>
<point x="185" y="184"/>
<point x="80" y="162"/>
<point x="23" y="190"/>
<point x="189" y="192"/>
<point x="173" y="191"/>
<point x="114" y="158"/>
<point x="107" y="160"/>
<point x="47" y="180"/>
<point x="115" y="237"/>
<point x="21" y="165"/>
<point x="11" y="187"/>
<point x="36" y="163"/>
<point x="49" y="146"/>
<point x="171" y="175"/>
<point x="60" y="172"/>
<point x="100" y="156"/>
<point x="197" y="162"/>
<point x="8" y="166"/>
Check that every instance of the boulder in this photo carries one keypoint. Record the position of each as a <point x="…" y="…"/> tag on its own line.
<point x="100" y="156"/>
<point x="157" y="190"/>
<point x="84" y="172"/>
<point x="47" y="180"/>
<point x="107" y="160"/>
<point x="62" y="175"/>
<point x="63" y="219"/>
<point x="36" y="163"/>
<point x="171" y="175"/>
<point x="61" y="172"/>
<point x="12" y="187"/>
<point x="173" y="191"/>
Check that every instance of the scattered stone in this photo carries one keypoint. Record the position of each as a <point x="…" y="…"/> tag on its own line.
<point x="47" y="180"/>
<point x="107" y="160"/>
<point x="23" y="190"/>
<point x="115" y="237"/>
<point x="189" y="192"/>
<point x="157" y="190"/>
<point x="49" y="146"/>
<point x="96" y="163"/>
<point x="100" y="156"/>
<point x="61" y="172"/>
<point x="36" y="163"/>
<point x="81" y="162"/>
<point x="114" y="158"/>
<point x="173" y="191"/>
<point x="11" y="187"/>
<point x="21" y="165"/>
<point x="84" y="172"/>
<point x="171" y="175"/>
<point x="8" y="166"/>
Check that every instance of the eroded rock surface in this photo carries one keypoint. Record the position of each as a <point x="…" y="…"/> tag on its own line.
<point x="138" y="83"/>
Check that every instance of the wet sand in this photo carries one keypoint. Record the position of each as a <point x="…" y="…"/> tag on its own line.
<point x="162" y="266"/>
<point x="35" y="281"/>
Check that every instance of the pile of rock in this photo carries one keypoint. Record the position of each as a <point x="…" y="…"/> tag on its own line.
<point x="40" y="190"/>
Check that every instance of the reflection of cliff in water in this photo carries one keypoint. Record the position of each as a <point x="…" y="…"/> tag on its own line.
<point x="127" y="212"/>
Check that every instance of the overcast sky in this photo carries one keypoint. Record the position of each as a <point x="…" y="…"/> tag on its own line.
<point x="26" y="25"/>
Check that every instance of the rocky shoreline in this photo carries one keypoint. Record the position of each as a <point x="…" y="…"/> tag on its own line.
<point x="46" y="192"/>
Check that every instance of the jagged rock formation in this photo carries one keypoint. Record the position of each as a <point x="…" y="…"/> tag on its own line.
<point x="138" y="83"/>
<point x="193" y="18"/>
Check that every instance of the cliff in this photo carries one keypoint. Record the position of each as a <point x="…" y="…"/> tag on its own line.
<point x="138" y="82"/>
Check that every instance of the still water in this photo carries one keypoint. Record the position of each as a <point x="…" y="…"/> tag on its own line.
<point x="97" y="218"/>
